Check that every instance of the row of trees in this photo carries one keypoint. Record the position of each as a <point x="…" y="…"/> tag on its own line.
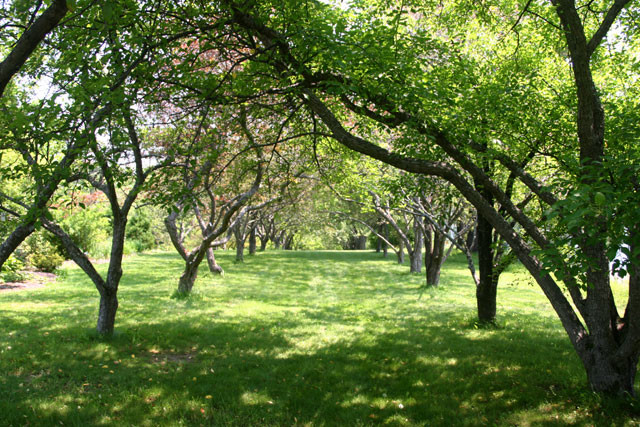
<point x="505" y="101"/>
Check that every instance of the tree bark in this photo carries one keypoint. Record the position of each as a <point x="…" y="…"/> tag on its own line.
<point x="188" y="277"/>
<point x="17" y="236"/>
<point x="486" y="291"/>
<point x="107" y="311"/>
<point x="263" y="243"/>
<point x="288" y="242"/>
<point x="239" y="250"/>
<point x="252" y="241"/>
<point x="415" y="256"/>
<point x="385" y="247"/>
<point x="214" y="267"/>
<point x="436" y="258"/>
<point x="401" y="252"/>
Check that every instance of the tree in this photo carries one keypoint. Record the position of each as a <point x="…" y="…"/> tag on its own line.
<point x="443" y="217"/>
<point x="106" y="177"/>
<point x="206" y="183"/>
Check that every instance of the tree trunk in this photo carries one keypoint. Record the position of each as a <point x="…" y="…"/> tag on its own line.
<point x="472" y="241"/>
<point x="401" y="252"/>
<point x="107" y="311"/>
<point x="252" y="241"/>
<point x="14" y="240"/>
<point x="487" y="288"/>
<point x="433" y="264"/>
<point x="288" y="242"/>
<point x="415" y="256"/>
<point x="239" y="250"/>
<point x="213" y="265"/>
<point x="486" y="294"/>
<point x="188" y="278"/>
<point x="263" y="243"/>
<point x="605" y="373"/>
<point x="385" y="247"/>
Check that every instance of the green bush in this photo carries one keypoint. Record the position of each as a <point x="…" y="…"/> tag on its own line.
<point x="87" y="227"/>
<point x="47" y="262"/>
<point x="40" y="253"/>
<point x="129" y="248"/>
<point x="12" y="270"/>
<point x="139" y="231"/>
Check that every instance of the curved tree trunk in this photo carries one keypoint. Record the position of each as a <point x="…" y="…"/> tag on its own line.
<point x="188" y="277"/>
<point x="605" y="353"/>
<point x="213" y="265"/>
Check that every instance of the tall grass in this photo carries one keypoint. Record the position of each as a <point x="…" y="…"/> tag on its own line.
<point x="291" y="338"/>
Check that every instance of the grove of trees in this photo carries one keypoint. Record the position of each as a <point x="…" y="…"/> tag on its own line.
<point x="508" y="125"/>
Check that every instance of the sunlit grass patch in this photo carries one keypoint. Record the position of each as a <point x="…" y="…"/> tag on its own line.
<point x="291" y="338"/>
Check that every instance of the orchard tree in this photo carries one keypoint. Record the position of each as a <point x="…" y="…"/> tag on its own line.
<point x="444" y="217"/>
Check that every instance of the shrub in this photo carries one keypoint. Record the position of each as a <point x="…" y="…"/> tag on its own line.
<point x="87" y="227"/>
<point x="11" y="270"/>
<point x="41" y="253"/>
<point x="139" y="231"/>
<point x="47" y="262"/>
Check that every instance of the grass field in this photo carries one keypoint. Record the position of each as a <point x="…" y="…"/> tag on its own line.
<point x="291" y="338"/>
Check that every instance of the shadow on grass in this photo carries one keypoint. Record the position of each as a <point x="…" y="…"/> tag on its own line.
<point x="246" y="374"/>
<point x="279" y="346"/>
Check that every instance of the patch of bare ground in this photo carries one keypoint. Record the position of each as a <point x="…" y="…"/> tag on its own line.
<point x="35" y="279"/>
<point x="162" y="358"/>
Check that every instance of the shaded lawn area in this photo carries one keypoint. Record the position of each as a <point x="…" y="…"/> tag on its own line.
<point x="291" y="338"/>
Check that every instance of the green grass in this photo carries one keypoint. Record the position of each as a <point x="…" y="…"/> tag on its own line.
<point x="291" y="338"/>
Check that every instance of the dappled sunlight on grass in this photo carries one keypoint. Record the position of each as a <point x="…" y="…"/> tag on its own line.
<point x="290" y="338"/>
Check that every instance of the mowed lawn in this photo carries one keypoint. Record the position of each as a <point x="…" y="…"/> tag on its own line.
<point x="291" y="338"/>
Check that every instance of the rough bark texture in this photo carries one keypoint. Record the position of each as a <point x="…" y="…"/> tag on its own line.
<point x="252" y="241"/>
<point x="435" y="257"/>
<point x="107" y="311"/>
<point x="188" y="277"/>
<point x="486" y="291"/>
